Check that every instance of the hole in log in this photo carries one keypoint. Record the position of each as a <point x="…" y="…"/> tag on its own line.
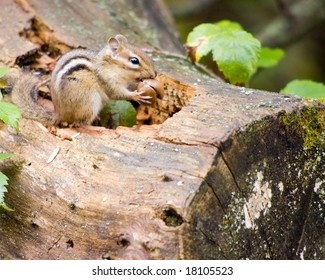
<point x="28" y="58"/>
<point x="171" y="217"/>
<point x="70" y="243"/>
<point x="34" y="223"/>
<point x="165" y="178"/>
<point x="176" y="96"/>
<point x="95" y="166"/>
<point x="72" y="206"/>
<point x="123" y="241"/>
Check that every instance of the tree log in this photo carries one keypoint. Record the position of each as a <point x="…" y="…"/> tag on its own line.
<point x="217" y="172"/>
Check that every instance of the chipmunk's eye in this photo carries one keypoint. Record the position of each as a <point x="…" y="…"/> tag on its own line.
<point x="134" y="60"/>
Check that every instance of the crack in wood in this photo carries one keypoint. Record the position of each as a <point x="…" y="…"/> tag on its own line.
<point x="217" y="197"/>
<point x="230" y="170"/>
<point x="180" y="142"/>
<point x="54" y="244"/>
<point x="210" y="240"/>
<point x="306" y="210"/>
<point x="268" y="245"/>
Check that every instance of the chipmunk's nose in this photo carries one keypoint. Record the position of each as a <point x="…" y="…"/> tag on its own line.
<point x="150" y="74"/>
<point x="153" y="73"/>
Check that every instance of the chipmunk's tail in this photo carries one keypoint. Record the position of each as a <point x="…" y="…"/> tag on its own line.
<point x="24" y="94"/>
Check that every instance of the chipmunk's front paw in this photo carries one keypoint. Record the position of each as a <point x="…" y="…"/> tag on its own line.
<point x="157" y="88"/>
<point x="142" y="95"/>
<point x="150" y="88"/>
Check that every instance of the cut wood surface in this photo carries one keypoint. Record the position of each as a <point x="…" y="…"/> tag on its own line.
<point x="218" y="171"/>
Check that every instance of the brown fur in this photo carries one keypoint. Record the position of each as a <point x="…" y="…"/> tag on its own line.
<point x="22" y="95"/>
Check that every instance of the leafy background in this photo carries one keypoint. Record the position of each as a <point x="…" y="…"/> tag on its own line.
<point x="304" y="58"/>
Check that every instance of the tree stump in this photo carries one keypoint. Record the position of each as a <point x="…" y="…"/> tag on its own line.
<point x="216" y="171"/>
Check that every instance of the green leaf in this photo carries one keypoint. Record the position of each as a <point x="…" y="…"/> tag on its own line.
<point x="4" y="156"/>
<point x="118" y="113"/>
<point x="270" y="57"/>
<point x="202" y="34"/>
<point x="3" y="183"/>
<point x="236" y="55"/>
<point x="10" y="115"/>
<point x="3" y="71"/>
<point x="229" y="26"/>
<point x="234" y="50"/>
<point x="305" y="88"/>
<point x="206" y="30"/>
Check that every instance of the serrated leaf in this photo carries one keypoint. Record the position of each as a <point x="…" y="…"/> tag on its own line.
<point x="236" y="54"/>
<point x="270" y="57"/>
<point x="10" y="114"/>
<point x="201" y="35"/>
<point x="199" y="38"/>
<point x="209" y="29"/>
<point x="201" y="32"/>
<point x="305" y="88"/>
<point x="3" y="71"/>
<point x="229" y="26"/>
<point x="118" y="113"/>
<point x="4" y="156"/>
<point x="3" y="183"/>
<point x="234" y="50"/>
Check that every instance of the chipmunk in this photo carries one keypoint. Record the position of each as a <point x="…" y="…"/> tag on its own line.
<point x="83" y="81"/>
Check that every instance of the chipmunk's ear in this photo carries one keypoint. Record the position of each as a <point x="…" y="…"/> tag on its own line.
<point x="121" y="38"/>
<point x="114" y="45"/>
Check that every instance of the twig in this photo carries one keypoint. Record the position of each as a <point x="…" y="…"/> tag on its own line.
<point x="54" y="154"/>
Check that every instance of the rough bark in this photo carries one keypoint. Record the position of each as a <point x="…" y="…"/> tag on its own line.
<point x="220" y="172"/>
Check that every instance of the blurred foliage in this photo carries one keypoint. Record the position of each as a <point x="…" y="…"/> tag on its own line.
<point x="305" y="88"/>
<point x="270" y="57"/>
<point x="304" y="59"/>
